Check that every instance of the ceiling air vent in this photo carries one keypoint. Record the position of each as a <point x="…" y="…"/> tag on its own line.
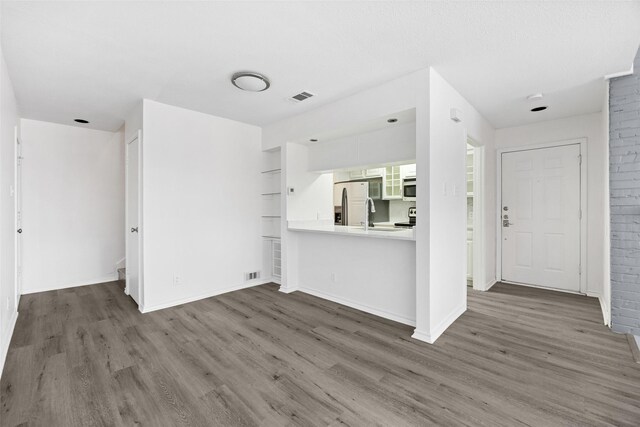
<point x="301" y="96"/>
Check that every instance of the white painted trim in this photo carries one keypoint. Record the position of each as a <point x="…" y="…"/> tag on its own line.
<point x="582" y="142"/>
<point x="362" y="307"/>
<point x="145" y="309"/>
<point x="286" y="290"/>
<point x="6" y="340"/>
<point x="121" y="263"/>
<point x="113" y="277"/>
<point x="479" y="198"/>
<point x="138" y="136"/>
<point x="17" y="196"/>
<point x="619" y="74"/>
<point x="489" y="285"/>
<point x="431" y="337"/>
<point x="606" y="315"/>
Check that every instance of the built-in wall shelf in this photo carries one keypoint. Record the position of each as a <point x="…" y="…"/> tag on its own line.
<point x="271" y="212"/>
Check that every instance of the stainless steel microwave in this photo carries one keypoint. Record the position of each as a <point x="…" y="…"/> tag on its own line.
<point x="409" y="189"/>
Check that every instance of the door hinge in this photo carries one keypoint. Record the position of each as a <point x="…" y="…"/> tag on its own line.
<point x="580" y="213"/>
<point x="580" y="269"/>
<point x="580" y="159"/>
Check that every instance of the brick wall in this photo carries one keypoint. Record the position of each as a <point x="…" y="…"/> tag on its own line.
<point x="624" y="179"/>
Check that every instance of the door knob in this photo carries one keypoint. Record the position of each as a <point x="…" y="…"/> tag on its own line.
<point x="506" y="223"/>
<point x="134" y="229"/>
<point x="19" y="230"/>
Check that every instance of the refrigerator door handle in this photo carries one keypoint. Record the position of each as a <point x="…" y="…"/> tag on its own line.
<point x="345" y="207"/>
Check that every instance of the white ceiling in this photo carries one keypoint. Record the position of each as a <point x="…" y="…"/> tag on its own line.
<point x="95" y="60"/>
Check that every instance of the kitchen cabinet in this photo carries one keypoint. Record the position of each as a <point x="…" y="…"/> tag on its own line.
<point x="392" y="183"/>
<point x="357" y="174"/>
<point x="408" y="171"/>
<point x="366" y="173"/>
<point x="374" y="173"/>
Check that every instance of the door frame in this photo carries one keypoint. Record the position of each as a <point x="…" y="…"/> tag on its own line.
<point x="479" y="194"/>
<point x="582" y="142"/>
<point x="138" y="136"/>
<point x="17" y="219"/>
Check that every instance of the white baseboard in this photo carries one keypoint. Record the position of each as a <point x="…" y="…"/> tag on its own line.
<point x="287" y="290"/>
<point x="606" y="313"/>
<point x="112" y="277"/>
<point x="6" y="340"/>
<point x="431" y="336"/>
<point x="368" y="309"/>
<point x="148" y="309"/>
<point x="489" y="284"/>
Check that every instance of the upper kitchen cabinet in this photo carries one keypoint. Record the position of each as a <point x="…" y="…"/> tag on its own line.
<point x="366" y="173"/>
<point x="408" y="171"/>
<point x="392" y="183"/>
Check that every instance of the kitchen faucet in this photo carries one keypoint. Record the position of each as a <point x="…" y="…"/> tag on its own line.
<point x="369" y="207"/>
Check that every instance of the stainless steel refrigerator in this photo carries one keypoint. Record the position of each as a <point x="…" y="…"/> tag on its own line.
<point x="349" y="202"/>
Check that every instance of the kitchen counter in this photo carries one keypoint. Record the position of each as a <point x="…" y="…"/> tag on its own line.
<point x="379" y="232"/>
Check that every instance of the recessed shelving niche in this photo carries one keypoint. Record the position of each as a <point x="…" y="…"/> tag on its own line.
<point x="271" y="212"/>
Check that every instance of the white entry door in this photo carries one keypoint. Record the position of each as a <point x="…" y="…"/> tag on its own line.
<point x="541" y="217"/>
<point x="133" y="220"/>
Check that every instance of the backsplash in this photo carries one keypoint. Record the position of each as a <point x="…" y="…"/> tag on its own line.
<point x="398" y="210"/>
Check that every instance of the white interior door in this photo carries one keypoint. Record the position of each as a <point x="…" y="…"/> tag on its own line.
<point x="541" y="217"/>
<point x="133" y="220"/>
<point x="18" y="207"/>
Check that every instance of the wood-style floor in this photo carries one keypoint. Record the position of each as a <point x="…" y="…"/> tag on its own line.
<point x="518" y="356"/>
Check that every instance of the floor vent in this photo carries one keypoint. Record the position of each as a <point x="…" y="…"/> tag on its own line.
<point x="301" y="96"/>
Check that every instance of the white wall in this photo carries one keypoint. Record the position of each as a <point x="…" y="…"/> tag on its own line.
<point x="201" y="198"/>
<point x="133" y="122"/>
<point x="394" y="96"/>
<point x="444" y="201"/>
<point x="370" y="274"/>
<point x="73" y="205"/>
<point x="8" y="295"/>
<point x="313" y="195"/>
<point x="588" y="126"/>
<point x="395" y="143"/>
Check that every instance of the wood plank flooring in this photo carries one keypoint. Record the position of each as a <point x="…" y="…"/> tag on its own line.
<point x="519" y="356"/>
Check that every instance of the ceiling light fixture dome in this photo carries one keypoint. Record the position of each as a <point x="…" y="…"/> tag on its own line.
<point x="250" y="81"/>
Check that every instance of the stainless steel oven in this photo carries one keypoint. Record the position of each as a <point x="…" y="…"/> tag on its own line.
<point x="409" y="189"/>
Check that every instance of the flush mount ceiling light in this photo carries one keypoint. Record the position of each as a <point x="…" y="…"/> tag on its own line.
<point x="83" y="121"/>
<point x="250" y="81"/>
<point x="392" y="120"/>
<point x="542" y="108"/>
<point x="534" y="97"/>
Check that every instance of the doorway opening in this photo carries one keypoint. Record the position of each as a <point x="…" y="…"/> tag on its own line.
<point x="470" y="150"/>
<point x="133" y="220"/>
<point x="475" y="215"/>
